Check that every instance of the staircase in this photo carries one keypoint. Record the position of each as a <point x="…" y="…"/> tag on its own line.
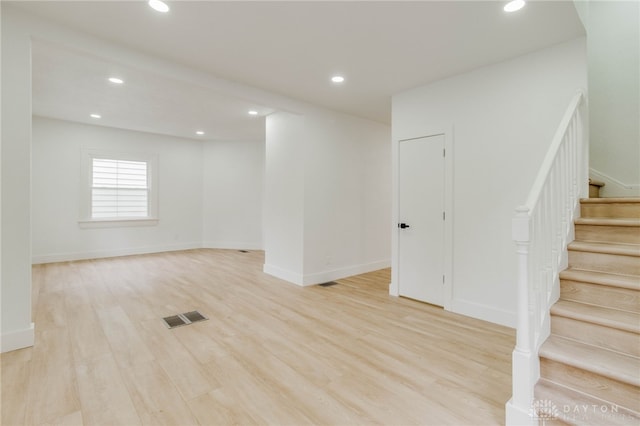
<point x="590" y="365"/>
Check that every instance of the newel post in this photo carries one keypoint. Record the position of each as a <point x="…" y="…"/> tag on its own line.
<point x="520" y="231"/>
<point x="525" y="370"/>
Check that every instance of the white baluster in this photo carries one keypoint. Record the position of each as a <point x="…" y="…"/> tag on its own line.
<point x="540" y="229"/>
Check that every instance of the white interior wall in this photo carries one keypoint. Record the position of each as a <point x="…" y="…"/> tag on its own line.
<point x="328" y="198"/>
<point x="284" y="196"/>
<point x="347" y="199"/>
<point x="503" y="119"/>
<point x="285" y="246"/>
<point x="613" y="45"/>
<point x="57" y="186"/>
<point x="17" y="328"/>
<point x="233" y="177"/>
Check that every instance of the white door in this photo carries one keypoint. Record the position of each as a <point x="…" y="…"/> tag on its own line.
<point x="421" y="219"/>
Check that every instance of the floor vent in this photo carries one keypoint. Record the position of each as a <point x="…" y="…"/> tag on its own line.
<point x="183" y="319"/>
<point x="329" y="284"/>
<point x="174" y="321"/>
<point x="194" y="316"/>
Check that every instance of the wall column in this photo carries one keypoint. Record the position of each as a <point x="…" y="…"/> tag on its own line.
<point x="17" y="328"/>
<point x="284" y="197"/>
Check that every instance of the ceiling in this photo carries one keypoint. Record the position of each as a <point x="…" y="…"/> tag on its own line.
<point x="70" y="85"/>
<point x="287" y="48"/>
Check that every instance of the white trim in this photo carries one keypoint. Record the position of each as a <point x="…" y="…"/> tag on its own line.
<point x="448" y="223"/>
<point x="349" y="271"/>
<point x="484" y="312"/>
<point x="606" y="177"/>
<point x="283" y="274"/>
<point x="116" y="223"/>
<point x="515" y="415"/>
<point x="393" y="287"/>
<point x="98" y="254"/>
<point x="325" y="276"/>
<point x="613" y="187"/>
<point x="232" y="245"/>
<point x="18" y="339"/>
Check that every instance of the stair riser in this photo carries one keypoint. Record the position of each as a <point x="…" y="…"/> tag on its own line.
<point x="570" y="407"/>
<point x="608" y="234"/>
<point x="593" y="334"/>
<point x="604" y="262"/>
<point x="622" y="394"/>
<point x="611" y="297"/>
<point x="619" y="210"/>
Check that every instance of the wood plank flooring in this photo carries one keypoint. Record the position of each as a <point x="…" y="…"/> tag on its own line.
<point x="271" y="352"/>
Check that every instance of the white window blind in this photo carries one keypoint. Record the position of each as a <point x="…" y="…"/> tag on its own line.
<point x="119" y="189"/>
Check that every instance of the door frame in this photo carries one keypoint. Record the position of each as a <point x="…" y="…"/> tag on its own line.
<point x="447" y="132"/>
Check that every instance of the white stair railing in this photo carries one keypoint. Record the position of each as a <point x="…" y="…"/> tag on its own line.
<point x="542" y="228"/>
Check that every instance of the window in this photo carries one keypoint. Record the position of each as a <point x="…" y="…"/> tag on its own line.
<point x="118" y="189"/>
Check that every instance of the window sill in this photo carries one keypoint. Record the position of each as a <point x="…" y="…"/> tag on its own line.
<point x="116" y="223"/>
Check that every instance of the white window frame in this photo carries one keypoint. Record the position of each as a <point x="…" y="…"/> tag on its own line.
<point x="86" y="184"/>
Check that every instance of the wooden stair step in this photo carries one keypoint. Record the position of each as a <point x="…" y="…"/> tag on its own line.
<point x="614" y="339"/>
<point x="605" y="257"/>
<point x="614" y="230"/>
<point x="599" y="361"/>
<point x="596" y="385"/>
<point x="613" y="318"/>
<point x="610" y="200"/>
<point x="614" y="297"/>
<point x="573" y="407"/>
<point x="598" y="326"/>
<point x="594" y="188"/>
<point x="610" y="207"/>
<point x="631" y="282"/>
<point x="606" y="248"/>
<point x="608" y="221"/>
<point x="592" y="358"/>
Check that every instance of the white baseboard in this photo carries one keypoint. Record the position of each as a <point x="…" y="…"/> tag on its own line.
<point x="349" y="271"/>
<point x="394" y="290"/>
<point x="613" y="187"/>
<point x="484" y="312"/>
<point x="232" y="245"/>
<point x="324" y="276"/>
<point x="519" y="416"/>
<point x="283" y="274"/>
<point x="19" y="339"/>
<point x="98" y="254"/>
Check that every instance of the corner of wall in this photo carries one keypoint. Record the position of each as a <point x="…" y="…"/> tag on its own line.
<point x="336" y="274"/>
<point x="613" y="187"/>
<point x="393" y="289"/>
<point x="19" y="339"/>
<point x="283" y="274"/>
<point x="232" y="245"/>
<point x="484" y="312"/>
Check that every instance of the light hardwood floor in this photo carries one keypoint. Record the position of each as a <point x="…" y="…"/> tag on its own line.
<point x="271" y="352"/>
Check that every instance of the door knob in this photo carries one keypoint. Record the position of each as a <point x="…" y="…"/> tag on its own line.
<point x="403" y="225"/>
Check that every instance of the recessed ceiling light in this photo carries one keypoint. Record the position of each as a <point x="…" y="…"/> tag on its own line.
<point x="514" y="5"/>
<point x="95" y="116"/>
<point x="253" y="112"/>
<point x="159" y="6"/>
<point x="199" y="132"/>
<point x="116" y="80"/>
<point x="337" y="79"/>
